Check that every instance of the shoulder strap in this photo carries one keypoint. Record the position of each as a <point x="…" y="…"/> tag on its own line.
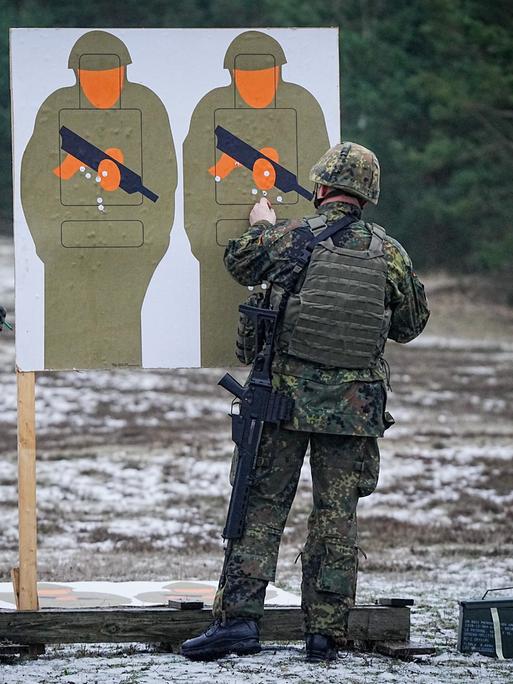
<point x="378" y="237"/>
<point x="328" y="231"/>
<point x="302" y="261"/>
<point x="375" y="248"/>
<point x="318" y="222"/>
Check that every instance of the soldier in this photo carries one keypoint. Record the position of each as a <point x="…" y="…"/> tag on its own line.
<point x="99" y="243"/>
<point x="283" y="121"/>
<point x="358" y="289"/>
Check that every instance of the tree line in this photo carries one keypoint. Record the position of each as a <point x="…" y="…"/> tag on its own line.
<point x="427" y="85"/>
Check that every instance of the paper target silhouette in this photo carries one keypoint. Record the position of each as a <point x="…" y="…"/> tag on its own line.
<point x="282" y="122"/>
<point x="98" y="178"/>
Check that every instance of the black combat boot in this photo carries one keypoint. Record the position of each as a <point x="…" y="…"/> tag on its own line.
<point x="237" y="635"/>
<point x="320" y="647"/>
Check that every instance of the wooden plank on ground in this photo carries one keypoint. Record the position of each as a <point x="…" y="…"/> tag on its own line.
<point x="379" y="623"/>
<point x="9" y="650"/>
<point x="386" y="601"/>
<point x="185" y="604"/>
<point x="156" y="624"/>
<point x="402" y="649"/>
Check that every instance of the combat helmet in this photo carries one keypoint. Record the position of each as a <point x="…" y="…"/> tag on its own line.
<point x="100" y="50"/>
<point x="351" y="167"/>
<point x="245" y="50"/>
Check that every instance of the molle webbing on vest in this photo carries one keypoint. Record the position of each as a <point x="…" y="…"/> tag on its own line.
<point x="342" y="305"/>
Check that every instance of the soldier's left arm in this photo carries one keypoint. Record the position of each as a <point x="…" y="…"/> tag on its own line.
<point x="408" y="300"/>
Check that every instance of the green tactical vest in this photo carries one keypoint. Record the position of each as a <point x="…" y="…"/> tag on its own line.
<point x="338" y="318"/>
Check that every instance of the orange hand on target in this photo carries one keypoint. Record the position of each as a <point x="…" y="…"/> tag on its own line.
<point x="68" y="167"/>
<point x="264" y="174"/>
<point x="223" y="166"/>
<point x="108" y="170"/>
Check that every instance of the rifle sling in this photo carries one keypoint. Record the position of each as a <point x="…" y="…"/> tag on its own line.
<point x="304" y="259"/>
<point x="328" y="232"/>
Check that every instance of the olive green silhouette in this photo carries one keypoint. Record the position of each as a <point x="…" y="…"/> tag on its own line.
<point x="100" y="247"/>
<point x="292" y="123"/>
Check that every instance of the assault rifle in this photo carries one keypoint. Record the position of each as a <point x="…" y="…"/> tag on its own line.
<point x="255" y="404"/>
<point x="246" y="155"/>
<point x="81" y="149"/>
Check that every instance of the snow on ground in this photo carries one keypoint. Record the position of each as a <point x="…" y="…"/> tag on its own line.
<point x="133" y="484"/>
<point x="434" y="621"/>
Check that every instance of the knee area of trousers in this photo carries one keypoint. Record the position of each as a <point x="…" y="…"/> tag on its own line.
<point x="252" y="565"/>
<point x="338" y="567"/>
<point x="331" y="565"/>
<point x="259" y="535"/>
<point x="332" y="522"/>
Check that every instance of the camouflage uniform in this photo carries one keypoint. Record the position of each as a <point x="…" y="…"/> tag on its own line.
<point x="338" y="412"/>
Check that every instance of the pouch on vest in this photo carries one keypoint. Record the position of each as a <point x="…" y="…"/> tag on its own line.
<point x="369" y="473"/>
<point x="245" y="343"/>
<point x="339" y="312"/>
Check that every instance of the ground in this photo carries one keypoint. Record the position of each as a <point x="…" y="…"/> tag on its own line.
<point x="133" y="483"/>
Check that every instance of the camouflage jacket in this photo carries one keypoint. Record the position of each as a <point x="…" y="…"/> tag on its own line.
<point x="327" y="399"/>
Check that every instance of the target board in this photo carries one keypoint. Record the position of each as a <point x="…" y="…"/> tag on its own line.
<point x="131" y="176"/>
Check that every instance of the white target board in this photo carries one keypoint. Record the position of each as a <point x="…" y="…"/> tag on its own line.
<point x="125" y="195"/>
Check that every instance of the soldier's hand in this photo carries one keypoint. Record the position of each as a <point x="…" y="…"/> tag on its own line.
<point x="262" y="211"/>
<point x="3" y="314"/>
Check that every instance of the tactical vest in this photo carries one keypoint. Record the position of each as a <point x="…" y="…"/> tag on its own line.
<point x="338" y="317"/>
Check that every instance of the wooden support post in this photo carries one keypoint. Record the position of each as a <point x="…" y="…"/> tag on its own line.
<point x="15" y="576"/>
<point x="27" y="578"/>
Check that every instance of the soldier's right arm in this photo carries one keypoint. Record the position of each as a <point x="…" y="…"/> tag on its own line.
<point x="265" y="252"/>
<point x="246" y="259"/>
<point x="410" y="312"/>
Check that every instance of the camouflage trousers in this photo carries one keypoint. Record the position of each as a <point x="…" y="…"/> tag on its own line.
<point x="344" y="467"/>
